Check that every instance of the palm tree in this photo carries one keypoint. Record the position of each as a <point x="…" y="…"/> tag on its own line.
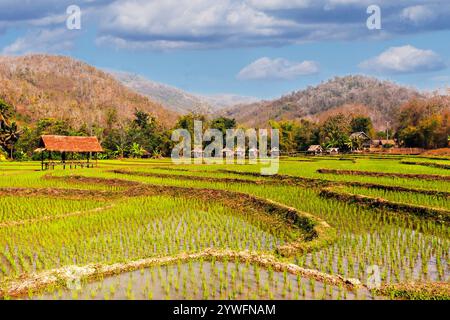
<point x="9" y="134"/>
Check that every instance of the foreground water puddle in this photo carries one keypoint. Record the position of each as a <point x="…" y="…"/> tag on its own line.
<point x="203" y="280"/>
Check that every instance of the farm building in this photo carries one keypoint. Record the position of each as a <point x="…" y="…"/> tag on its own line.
<point x="240" y="153"/>
<point x="363" y="137"/>
<point x="253" y="153"/>
<point x="275" y="152"/>
<point x="228" y="153"/>
<point x="314" y="149"/>
<point x="332" y="151"/>
<point x="197" y="152"/>
<point x="67" y="147"/>
<point x="383" y="143"/>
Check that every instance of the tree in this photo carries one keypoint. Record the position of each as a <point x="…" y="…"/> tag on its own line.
<point x="137" y="151"/>
<point x="362" y="124"/>
<point x="144" y="131"/>
<point x="424" y="123"/>
<point x="223" y="123"/>
<point x="335" y="131"/>
<point x="306" y="134"/>
<point x="9" y="134"/>
<point x="5" y="112"/>
<point x="287" y="131"/>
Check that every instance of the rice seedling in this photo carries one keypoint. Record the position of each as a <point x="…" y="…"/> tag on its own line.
<point x="39" y="233"/>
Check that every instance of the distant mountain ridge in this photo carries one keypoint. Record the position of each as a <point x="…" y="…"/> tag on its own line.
<point x="350" y="94"/>
<point x="60" y="87"/>
<point x="178" y="100"/>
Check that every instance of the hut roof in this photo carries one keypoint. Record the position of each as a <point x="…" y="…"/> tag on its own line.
<point x="383" y="142"/>
<point x="359" y="135"/>
<point x="314" y="147"/>
<point x="70" y="144"/>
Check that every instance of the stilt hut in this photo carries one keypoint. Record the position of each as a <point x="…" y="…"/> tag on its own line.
<point x="66" y="146"/>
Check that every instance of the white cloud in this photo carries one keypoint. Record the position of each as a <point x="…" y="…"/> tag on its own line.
<point x="42" y="41"/>
<point x="202" y="24"/>
<point x="418" y="14"/>
<point x="187" y="21"/>
<point x="279" y="4"/>
<point x="406" y="59"/>
<point x="266" y="68"/>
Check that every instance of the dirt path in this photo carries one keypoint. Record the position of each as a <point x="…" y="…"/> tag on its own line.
<point x="54" y="217"/>
<point x="439" y="215"/>
<point x="385" y="174"/>
<point x="38" y="281"/>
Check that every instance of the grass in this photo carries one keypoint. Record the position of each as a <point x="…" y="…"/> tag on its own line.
<point x="407" y="248"/>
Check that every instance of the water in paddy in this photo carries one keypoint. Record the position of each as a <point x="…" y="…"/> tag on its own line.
<point x="204" y="280"/>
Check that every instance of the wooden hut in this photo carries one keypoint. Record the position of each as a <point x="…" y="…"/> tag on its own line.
<point x="314" y="149"/>
<point x="240" y="153"/>
<point x="253" y="153"/>
<point x="275" y="152"/>
<point x="228" y="153"/>
<point x="68" y="146"/>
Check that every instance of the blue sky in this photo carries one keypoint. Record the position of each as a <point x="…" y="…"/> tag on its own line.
<point x="262" y="48"/>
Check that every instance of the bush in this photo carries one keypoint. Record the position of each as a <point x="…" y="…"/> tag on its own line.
<point x="3" y="156"/>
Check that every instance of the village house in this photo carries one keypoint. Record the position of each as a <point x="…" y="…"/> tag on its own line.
<point x="383" y="143"/>
<point x="275" y="152"/>
<point x="228" y="153"/>
<point x="253" y="153"/>
<point x="197" y="152"/>
<point x="240" y="152"/>
<point x="363" y="138"/>
<point x="333" y="151"/>
<point x="315" y="149"/>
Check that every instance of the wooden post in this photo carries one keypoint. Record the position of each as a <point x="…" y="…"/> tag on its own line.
<point x="63" y="158"/>
<point x="42" y="160"/>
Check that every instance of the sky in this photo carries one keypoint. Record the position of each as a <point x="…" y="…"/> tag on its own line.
<point x="259" y="48"/>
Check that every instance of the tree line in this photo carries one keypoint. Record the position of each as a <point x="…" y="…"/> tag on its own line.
<point x="423" y="123"/>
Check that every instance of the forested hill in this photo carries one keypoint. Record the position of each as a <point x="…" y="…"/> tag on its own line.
<point x="40" y="86"/>
<point x="358" y="94"/>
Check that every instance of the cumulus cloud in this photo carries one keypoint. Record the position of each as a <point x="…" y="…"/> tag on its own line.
<point x="266" y="68"/>
<point x="405" y="59"/>
<point x="203" y="24"/>
<point x="239" y="23"/>
<point x="42" y="41"/>
<point x="418" y="14"/>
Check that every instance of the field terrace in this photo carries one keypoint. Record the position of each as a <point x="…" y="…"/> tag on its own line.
<point x="146" y="229"/>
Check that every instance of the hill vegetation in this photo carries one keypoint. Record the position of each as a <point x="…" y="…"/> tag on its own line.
<point x="178" y="100"/>
<point x="44" y="86"/>
<point x="42" y="94"/>
<point x="380" y="100"/>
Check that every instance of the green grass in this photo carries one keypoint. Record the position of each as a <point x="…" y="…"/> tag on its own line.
<point x="404" y="247"/>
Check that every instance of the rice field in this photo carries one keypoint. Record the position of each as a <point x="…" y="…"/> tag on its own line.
<point x="125" y="212"/>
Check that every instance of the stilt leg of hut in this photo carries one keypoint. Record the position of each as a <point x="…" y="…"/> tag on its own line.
<point x="63" y="158"/>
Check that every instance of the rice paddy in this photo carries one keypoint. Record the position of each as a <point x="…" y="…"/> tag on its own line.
<point x="126" y="211"/>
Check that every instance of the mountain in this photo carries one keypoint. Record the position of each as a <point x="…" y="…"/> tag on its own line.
<point x="178" y="100"/>
<point x="60" y="87"/>
<point x="221" y="101"/>
<point x="172" y="98"/>
<point x="351" y="95"/>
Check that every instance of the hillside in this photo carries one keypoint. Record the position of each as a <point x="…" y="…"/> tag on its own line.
<point x="176" y="99"/>
<point x="351" y="94"/>
<point x="60" y="87"/>
<point x="172" y="98"/>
